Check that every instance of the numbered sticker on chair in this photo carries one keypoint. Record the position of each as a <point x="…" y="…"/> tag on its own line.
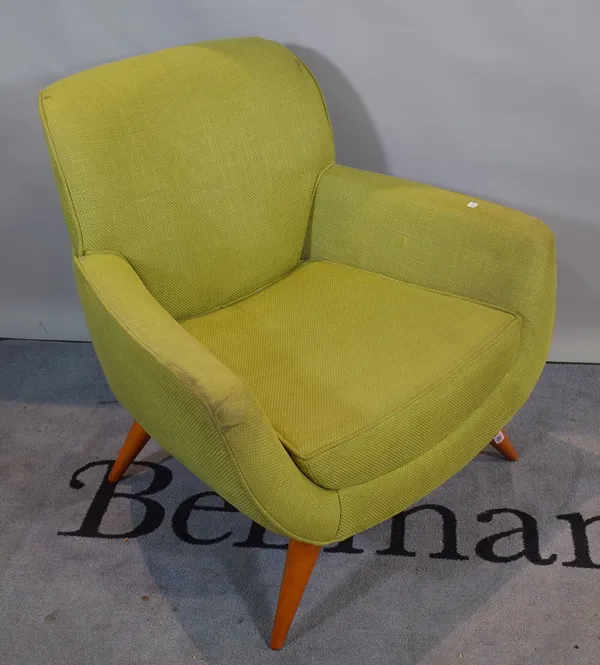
<point x="499" y="438"/>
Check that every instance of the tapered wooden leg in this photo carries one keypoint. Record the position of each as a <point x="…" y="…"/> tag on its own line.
<point x="299" y="563"/>
<point x="135" y="441"/>
<point x="502" y="444"/>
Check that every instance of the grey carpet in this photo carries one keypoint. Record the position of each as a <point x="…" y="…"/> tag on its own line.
<point x="193" y="590"/>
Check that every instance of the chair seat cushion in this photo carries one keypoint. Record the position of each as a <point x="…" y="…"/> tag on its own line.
<point x="358" y="373"/>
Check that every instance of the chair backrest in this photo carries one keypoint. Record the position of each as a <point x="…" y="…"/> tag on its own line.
<point x="197" y="164"/>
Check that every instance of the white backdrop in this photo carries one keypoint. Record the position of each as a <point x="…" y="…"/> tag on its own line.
<point x="500" y="100"/>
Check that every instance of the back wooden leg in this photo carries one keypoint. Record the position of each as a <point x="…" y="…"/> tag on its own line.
<point x="135" y="441"/>
<point x="299" y="563"/>
<point x="502" y="444"/>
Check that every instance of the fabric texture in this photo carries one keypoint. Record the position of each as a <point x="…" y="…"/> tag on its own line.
<point x="349" y="365"/>
<point x="431" y="237"/>
<point x="194" y="406"/>
<point x="76" y="601"/>
<point x="196" y="163"/>
<point x="198" y="177"/>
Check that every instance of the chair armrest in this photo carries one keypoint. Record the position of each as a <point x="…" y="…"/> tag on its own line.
<point x="195" y="407"/>
<point x="428" y="236"/>
<point x="431" y="237"/>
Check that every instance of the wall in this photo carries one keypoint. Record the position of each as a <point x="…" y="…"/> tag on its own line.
<point x="496" y="99"/>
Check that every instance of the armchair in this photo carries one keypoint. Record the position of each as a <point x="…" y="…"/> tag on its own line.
<point x="321" y="345"/>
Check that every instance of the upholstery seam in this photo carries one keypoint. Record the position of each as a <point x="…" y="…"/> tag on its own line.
<point x="305" y="249"/>
<point x="421" y="287"/>
<point x="425" y="452"/>
<point x="316" y="83"/>
<point x="311" y="212"/>
<point x="281" y="277"/>
<point x="322" y="172"/>
<point x="54" y="154"/>
<point x="472" y="413"/>
<point x="241" y="298"/>
<point x="211" y="311"/>
<point x="452" y="371"/>
<point x="200" y="397"/>
<point x="507" y="377"/>
<point x="290" y="447"/>
<point x="308" y="471"/>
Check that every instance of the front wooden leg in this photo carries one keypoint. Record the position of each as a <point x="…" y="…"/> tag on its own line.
<point x="502" y="444"/>
<point x="135" y="441"/>
<point x="299" y="563"/>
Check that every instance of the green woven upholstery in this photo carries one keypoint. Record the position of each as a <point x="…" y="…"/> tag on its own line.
<point x="323" y="346"/>
<point x="206" y="205"/>
<point x="195" y="406"/>
<point x="349" y="366"/>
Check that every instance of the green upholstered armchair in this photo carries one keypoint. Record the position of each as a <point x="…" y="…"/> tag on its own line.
<point x="321" y="345"/>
